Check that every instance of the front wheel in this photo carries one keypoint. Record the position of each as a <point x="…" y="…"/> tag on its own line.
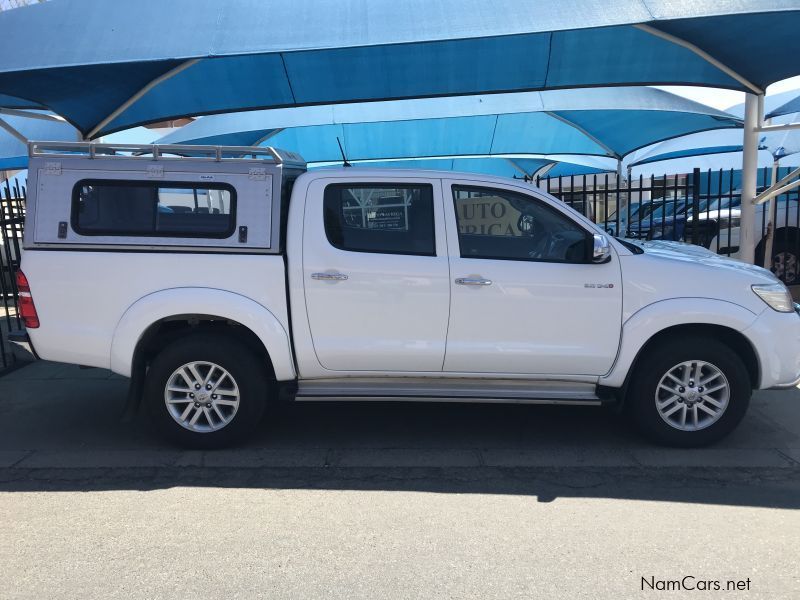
<point x="689" y="392"/>
<point x="206" y="391"/>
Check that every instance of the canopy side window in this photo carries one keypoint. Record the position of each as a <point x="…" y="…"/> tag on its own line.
<point x="143" y="208"/>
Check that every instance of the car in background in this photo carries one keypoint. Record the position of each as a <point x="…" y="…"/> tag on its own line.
<point x="637" y="213"/>
<point x="719" y="226"/>
<point x="666" y="222"/>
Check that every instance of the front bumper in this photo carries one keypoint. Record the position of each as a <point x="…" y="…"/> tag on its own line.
<point x="21" y="345"/>
<point x="786" y="386"/>
<point x="776" y="338"/>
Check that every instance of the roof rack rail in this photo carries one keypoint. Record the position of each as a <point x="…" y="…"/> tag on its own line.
<point x="165" y="152"/>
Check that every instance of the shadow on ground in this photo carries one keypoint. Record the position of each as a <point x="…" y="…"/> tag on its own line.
<point x="61" y="429"/>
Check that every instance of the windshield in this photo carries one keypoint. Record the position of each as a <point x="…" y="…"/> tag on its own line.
<point x="668" y="209"/>
<point x="638" y="211"/>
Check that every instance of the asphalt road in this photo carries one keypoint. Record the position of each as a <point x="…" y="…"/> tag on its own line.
<point x="388" y="501"/>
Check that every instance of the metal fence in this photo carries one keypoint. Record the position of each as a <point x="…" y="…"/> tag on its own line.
<point x="12" y="219"/>
<point x="702" y="207"/>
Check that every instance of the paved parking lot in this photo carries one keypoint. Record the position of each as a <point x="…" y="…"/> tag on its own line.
<point x="385" y="500"/>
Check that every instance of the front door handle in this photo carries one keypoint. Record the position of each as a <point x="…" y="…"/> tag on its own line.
<point x="329" y="276"/>
<point x="473" y="281"/>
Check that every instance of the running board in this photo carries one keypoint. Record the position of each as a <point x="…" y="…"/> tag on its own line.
<point x="450" y="390"/>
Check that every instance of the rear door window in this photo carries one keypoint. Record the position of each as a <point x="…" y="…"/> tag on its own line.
<point x="382" y="218"/>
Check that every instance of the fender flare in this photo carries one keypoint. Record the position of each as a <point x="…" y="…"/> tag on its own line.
<point x="655" y="318"/>
<point x="203" y="301"/>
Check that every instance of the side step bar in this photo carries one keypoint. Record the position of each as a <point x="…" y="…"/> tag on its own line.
<point x="450" y="390"/>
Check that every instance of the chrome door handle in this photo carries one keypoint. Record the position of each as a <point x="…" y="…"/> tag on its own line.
<point x="473" y="281"/>
<point x="329" y="276"/>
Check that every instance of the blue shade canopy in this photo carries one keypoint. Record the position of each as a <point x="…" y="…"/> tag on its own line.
<point x="775" y="105"/>
<point x="791" y="106"/>
<point x="779" y="144"/>
<point x="596" y="122"/>
<point x="14" y="153"/>
<point x="107" y="66"/>
<point x="12" y="102"/>
<point x="554" y="166"/>
<point x="484" y="165"/>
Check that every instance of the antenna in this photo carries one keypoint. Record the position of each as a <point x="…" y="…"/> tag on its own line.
<point x="345" y="162"/>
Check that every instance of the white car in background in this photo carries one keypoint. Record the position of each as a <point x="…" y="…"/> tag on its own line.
<point x="719" y="227"/>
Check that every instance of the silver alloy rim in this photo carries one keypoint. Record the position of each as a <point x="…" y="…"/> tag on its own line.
<point x="784" y="265"/>
<point x="201" y="396"/>
<point x="692" y="395"/>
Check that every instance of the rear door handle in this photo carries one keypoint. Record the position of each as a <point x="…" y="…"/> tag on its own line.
<point x="473" y="281"/>
<point x="329" y="276"/>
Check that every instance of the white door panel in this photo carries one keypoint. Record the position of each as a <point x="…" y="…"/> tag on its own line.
<point x="533" y="318"/>
<point x="390" y="313"/>
<point x="525" y="315"/>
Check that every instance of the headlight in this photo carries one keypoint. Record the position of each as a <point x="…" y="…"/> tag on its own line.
<point x="776" y="295"/>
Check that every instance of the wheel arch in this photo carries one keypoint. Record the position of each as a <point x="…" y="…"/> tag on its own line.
<point x="158" y="318"/>
<point x="736" y="340"/>
<point x="696" y="316"/>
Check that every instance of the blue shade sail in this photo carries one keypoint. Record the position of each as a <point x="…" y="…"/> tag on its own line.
<point x="775" y="105"/>
<point x="501" y="167"/>
<point x="778" y="145"/>
<point x="791" y="106"/>
<point x="12" y="102"/>
<point x="595" y="122"/>
<point x="487" y="166"/>
<point x="14" y="153"/>
<point x="107" y="66"/>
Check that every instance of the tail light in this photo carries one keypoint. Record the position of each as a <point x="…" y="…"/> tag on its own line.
<point x="27" y="310"/>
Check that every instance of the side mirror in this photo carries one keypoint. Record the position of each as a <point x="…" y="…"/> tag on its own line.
<point x="601" y="252"/>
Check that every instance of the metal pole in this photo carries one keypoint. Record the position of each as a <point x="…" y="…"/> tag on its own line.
<point x="770" y="235"/>
<point x="753" y="117"/>
<point x="620" y="200"/>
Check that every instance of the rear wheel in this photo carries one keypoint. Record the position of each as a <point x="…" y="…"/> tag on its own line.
<point x="689" y="392"/>
<point x="206" y="391"/>
<point x="785" y="256"/>
<point x="785" y="263"/>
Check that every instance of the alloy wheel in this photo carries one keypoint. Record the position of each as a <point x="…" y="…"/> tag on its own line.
<point x="785" y="265"/>
<point x="201" y="396"/>
<point x="692" y="395"/>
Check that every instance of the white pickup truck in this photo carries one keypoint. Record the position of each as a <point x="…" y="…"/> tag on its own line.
<point x="219" y="279"/>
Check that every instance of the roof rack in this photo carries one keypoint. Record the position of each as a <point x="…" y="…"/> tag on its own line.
<point x="165" y="152"/>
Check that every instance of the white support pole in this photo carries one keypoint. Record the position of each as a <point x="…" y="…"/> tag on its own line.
<point x="753" y="117"/>
<point x="27" y="114"/>
<point x="779" y="127"/>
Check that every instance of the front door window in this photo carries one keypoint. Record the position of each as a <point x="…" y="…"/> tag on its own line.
<point x="499" y="224"/>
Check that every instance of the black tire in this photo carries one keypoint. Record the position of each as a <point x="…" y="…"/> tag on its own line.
<point x="244" y="367"/>
<point x="785" y="256"/>
<point x="640" y="400"/>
